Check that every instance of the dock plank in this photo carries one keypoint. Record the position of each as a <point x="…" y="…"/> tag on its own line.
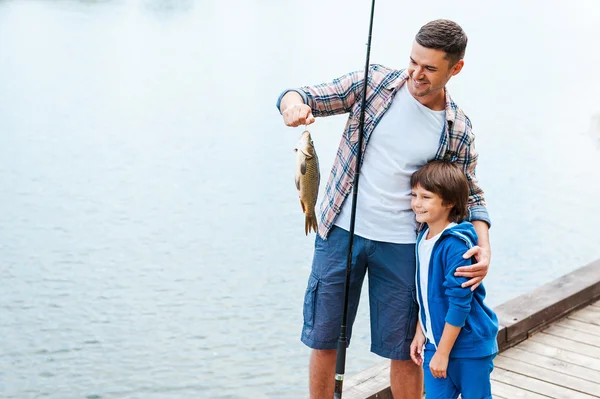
<point x="540" y="373"/>
<point x="536" y="386"/>
<point x="553" y="364"/>
<point x="560" y="354"/>
<point x="573" y="335"/>
<point x="579" y="326"/>
<point x="588" y="309"/>
<point x="567" y="344"/>
<point x="502" y="390"/>
<point x="374" y="379"/>
<point x="591" y="314"/>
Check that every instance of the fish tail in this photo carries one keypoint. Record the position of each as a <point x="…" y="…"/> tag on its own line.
<point x="310" y="222"/>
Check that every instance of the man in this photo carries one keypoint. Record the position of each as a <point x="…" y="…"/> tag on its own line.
<point x="409" y="120"/>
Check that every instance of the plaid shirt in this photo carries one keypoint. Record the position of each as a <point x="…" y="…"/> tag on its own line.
<point x="343" y="95"/>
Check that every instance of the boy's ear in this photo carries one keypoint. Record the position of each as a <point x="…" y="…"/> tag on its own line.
<point x="449" y="205"/>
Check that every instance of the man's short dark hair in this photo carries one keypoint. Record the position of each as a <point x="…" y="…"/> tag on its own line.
<point x="449" y="182"/>
<point x="444" y="35"/>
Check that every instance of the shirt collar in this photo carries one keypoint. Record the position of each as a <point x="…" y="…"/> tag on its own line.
<point x="398" y="81"/>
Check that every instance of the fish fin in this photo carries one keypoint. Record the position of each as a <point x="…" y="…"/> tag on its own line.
<point x="303" y="167"/>
<point x="307" y="154"/>
<point x="297" y="181"/>
<point x="310" y="222"/>
<point x="302" y="205"/>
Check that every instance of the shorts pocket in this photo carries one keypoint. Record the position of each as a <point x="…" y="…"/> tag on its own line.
<point x="309" y="301"/>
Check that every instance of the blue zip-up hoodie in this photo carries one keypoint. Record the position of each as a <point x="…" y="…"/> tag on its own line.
<point x="449" y="302"/>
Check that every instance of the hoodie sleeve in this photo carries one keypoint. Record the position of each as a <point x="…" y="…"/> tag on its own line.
<point x="459" y="298"/>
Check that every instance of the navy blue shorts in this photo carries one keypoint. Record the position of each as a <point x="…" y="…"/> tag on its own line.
<point x="392" y="299"/>
<point x="468" y="377"/>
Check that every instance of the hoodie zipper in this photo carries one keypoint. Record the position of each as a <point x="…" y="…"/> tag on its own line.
<point x="429" y="271"/>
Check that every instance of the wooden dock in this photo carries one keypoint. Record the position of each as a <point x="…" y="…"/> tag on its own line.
<point x="561" y="361"/>
<point x="549" y="343"/>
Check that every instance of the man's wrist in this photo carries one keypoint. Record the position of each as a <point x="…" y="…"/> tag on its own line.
<point x="288" y="98"/>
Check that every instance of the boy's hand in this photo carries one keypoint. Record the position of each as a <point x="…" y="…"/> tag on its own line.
<point x="438" y="365"/>
<point x="416" y="347"/>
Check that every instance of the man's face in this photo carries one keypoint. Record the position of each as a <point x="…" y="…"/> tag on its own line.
<point x="429" y="71"/>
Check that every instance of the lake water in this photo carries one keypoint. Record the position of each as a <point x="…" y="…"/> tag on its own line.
<point x="151" y="239"/>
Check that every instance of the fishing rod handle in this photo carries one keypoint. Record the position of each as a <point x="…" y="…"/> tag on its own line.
<point x="340" y="364"/>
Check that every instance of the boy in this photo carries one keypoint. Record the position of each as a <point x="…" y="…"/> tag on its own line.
<point x="457" y="330"/>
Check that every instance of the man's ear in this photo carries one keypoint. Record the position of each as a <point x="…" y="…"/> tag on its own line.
<point x="457" y="67"/>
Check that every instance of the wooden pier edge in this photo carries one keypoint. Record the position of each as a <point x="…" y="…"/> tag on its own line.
<point x="518" y="319"/>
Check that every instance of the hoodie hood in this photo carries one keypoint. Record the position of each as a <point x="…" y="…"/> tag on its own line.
<point x="464" y="230"/>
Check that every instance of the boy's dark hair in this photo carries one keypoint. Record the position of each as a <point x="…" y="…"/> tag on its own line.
<point x="449" y="182"/>
<point x="444" y="35"/>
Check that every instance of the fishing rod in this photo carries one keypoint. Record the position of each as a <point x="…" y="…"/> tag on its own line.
<point x="340" y="361"/>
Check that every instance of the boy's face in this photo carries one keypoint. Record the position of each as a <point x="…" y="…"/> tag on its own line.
<point x="429" y="207"/>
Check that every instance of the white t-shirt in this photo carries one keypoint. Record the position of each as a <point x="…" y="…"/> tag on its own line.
<point x="406" y="138"/>
<point x="424" y="252"/>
